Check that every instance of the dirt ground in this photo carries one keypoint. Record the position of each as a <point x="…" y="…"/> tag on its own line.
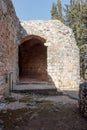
<point x="35" y="112"/>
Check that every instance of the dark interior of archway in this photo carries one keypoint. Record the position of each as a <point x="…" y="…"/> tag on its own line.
<point x="33" y="61"/>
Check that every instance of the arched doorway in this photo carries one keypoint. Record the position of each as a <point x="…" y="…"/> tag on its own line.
<point x="33" y="59"/>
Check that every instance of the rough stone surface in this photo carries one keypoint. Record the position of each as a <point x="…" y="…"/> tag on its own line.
<point x="83" y="99"/>
<point x="42" y="50"/>
<point x="62" y="51"/>
<point x="8" y="36"/>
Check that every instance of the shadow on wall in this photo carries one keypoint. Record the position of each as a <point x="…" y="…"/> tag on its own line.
<point x="21" y="33"/>
<point x="32" y="59"/>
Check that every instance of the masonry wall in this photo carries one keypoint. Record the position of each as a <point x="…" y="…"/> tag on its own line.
<point x="62" y="52"/>
<point x="8" y="47"/>
<point x="63" y="67"/>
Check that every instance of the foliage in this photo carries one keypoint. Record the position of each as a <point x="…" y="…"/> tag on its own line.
<point x="76" y="18"/>
<point x="56" y="12"/>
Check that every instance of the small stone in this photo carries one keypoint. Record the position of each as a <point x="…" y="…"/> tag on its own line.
<point x="17" y="127"/>
<point x="1" y="121"/>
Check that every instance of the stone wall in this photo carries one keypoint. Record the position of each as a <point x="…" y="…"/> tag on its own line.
<point x="58" y="62"/>
<point x="8" y="45"/>
<point x="83" y="99"/>
<point x="62" y="51"/>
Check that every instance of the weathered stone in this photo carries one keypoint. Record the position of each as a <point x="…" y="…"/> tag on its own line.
<point x="83" y="99"/>
<point x="39" y="50"/>
<point x="62" y="51"/>
<point x="8" y="35"/>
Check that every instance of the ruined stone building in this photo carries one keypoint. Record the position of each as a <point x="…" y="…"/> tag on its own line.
<point x="39" y="50"/>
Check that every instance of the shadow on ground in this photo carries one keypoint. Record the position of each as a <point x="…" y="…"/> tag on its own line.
<point x="36" y="112"/>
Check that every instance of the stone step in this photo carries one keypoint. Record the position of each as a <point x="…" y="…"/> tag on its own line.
<point x="27" y="83"/>
<point x="36" y="89"/>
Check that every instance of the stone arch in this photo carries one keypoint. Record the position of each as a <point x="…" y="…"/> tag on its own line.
<point x="32" y="59"/>
<point x="29" y="37"/>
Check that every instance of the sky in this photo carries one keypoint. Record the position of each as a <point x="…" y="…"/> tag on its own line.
<point x="34" y="9"/>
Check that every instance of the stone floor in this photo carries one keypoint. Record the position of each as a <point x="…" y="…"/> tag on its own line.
<point x="38" y="112"/>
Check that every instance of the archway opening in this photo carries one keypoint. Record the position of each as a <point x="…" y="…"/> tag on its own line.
<point x="33" y="59"/>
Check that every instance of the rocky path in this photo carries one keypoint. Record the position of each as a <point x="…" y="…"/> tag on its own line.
<point x="35" y="112"/>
